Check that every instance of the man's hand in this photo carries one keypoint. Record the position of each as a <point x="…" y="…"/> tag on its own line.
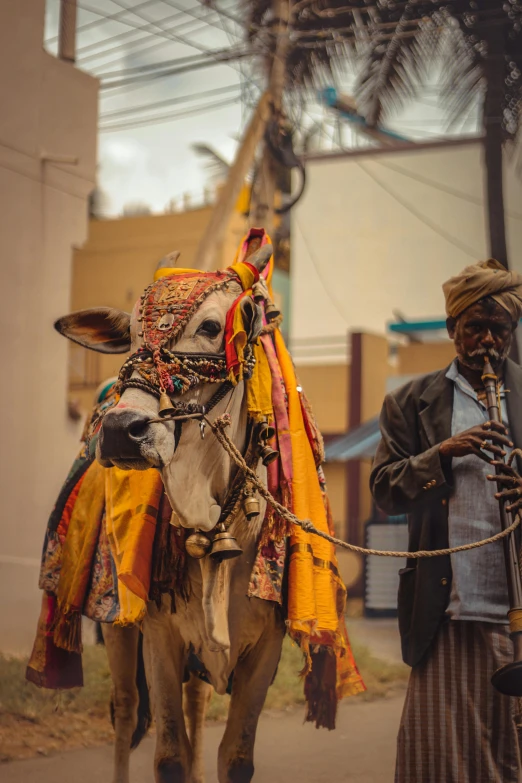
<point x="490" y="436"/>
<point x="511" y="482"/>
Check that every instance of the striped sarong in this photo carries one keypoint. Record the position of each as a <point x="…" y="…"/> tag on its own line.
<point x="455" y="727"/>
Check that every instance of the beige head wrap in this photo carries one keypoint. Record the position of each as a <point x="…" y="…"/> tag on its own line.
<point x="487" y="278"/>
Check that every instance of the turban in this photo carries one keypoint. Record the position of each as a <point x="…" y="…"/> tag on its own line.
<point x="487" y="278"/>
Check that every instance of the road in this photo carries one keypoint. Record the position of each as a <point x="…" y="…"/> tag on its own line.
<point x="360" y="750"/>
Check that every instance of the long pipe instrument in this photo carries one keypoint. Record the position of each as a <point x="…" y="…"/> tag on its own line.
<point x="507" y="679"/>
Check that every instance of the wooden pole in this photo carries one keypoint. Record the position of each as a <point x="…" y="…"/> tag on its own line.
<point x="220" y="218"/>
<point x="263" y="199"/>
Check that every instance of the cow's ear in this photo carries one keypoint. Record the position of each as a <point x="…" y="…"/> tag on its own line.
<point x="252" y="318"/>
<point x="102" y="329"/>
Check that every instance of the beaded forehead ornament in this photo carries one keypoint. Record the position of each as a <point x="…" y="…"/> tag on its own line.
<point x="164" y="311"/>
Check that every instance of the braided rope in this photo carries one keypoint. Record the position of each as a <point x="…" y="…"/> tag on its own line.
<point x="218" y="428"/>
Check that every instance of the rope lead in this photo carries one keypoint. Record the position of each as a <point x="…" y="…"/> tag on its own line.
<point x="218" y="428"/>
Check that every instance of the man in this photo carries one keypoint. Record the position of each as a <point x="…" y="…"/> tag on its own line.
<point x="434" y="463"/>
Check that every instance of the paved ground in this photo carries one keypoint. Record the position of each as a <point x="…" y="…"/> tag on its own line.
<point x="360" y="750"/>
<point x="380" y="635"/>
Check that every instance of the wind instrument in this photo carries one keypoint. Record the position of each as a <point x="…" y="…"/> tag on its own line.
<point x="507" y="679"/>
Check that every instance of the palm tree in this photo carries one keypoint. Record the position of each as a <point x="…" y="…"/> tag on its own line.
<point x="480" y="42"/>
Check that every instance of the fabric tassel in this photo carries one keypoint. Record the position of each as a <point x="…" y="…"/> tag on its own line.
<point x="321" y="689"/>
<point x="67" y="631"/>
<point x="51" y="666"/>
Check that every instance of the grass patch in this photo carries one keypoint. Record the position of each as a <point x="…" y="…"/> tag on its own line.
<point x="34" y="720"/>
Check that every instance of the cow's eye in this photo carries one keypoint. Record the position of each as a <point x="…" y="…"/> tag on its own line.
<point x="209" y="328"/>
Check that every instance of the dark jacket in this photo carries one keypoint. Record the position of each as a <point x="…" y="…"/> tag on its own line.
<point x="408" y="478"/>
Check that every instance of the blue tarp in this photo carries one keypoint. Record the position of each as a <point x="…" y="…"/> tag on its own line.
<point x="360" y="443"/>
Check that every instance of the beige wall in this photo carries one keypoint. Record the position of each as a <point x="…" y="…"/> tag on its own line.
<point x="419" y="358"/>
<point x="377" y="232"/>
<point x="49" y="110"/>
<point x="326" y="387"/>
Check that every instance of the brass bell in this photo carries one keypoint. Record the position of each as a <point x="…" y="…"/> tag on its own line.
<point x="268" y="454"/>
<point x="251" y="506"/>
<point x="197" y="545"/>
<point x="166" y="407"/>
<point x="271" y="311"/>
<point x="266" y="432"/>
<point x="225" y="546"/>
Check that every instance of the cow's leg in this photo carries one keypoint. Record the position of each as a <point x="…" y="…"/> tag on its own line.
<point x="122" y="652"/>
<point x="252" y="678"/>
<point x="165" y="663"/>
<point x="197" y="694"/>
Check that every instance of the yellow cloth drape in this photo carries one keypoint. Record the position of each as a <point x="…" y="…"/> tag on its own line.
<point x="259" y="387"/>
<point x="316" y="593"/>
<point x="132" y="505"/>
<point x="78" y="552"/>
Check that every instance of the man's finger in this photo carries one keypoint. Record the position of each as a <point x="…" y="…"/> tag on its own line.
<point x="495" y="425"/>
<point x="507" y="470"/>
<point x="494" y="449"/>
<point x="503" y="480"/>
<point x="496" y="437"/>
<point x="509" y="493"/>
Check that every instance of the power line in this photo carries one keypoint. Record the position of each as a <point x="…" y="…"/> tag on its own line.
<point x="167" y="102"/>
<point x="427" y="222"/>
<point x="443" y="188"/>
<point x="129" y="33"/>
<point x="162" y="32"/>
<point x="139" y="45"/>
<point x="99" y="22"/>
<point x="168" y="117"/>
<point x="317" y="268"/>
<point x="144" y="77"/>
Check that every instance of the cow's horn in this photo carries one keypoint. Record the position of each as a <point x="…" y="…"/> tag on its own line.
<point x="261" y="257"/>
<point x="169" y="261"/>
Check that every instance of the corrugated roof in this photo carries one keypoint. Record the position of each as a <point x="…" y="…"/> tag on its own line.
<point x="360" y="443"/>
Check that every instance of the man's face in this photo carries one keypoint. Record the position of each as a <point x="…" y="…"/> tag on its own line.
<point x="482" y="329"/>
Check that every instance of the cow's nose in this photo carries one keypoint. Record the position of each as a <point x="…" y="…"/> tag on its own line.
<point x="122" y="434"/>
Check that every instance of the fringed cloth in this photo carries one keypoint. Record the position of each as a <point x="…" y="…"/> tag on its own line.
<point x="99" y="554"/>
<point x="455" y="726"/>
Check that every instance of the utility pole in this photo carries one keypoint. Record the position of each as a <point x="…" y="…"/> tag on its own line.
<point x="67" y="32"/>
<point x="269" y="108"/>
<point x="263" y="199"/>
<point x="220" y="217"/>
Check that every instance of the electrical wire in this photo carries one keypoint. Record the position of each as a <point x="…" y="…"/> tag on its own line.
<point x="99" y="22"/>
<point x="443" y="188"/>
<point x="162" y="32"/>
<point x="168" y="117"/>
<point x="317" y="268"/>
<point x="168" y="102"/>
<point x="426" y="221"/>
<point x="193" y="66"/>
<point x="124" y="36"/>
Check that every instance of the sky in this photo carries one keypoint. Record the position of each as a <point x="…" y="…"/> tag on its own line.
<point x="154" y="164"/>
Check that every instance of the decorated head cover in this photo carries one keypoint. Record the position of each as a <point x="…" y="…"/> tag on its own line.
<point x="165" y="309"/>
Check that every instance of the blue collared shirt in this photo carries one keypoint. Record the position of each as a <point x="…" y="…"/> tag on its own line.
<point x="479" y="586"/>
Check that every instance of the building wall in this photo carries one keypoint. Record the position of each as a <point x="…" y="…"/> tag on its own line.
<point x="327" y="388"/>
<point x="47" y="170"/>
<point x="379" y="231"/>
<point x="419" y="358"/>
